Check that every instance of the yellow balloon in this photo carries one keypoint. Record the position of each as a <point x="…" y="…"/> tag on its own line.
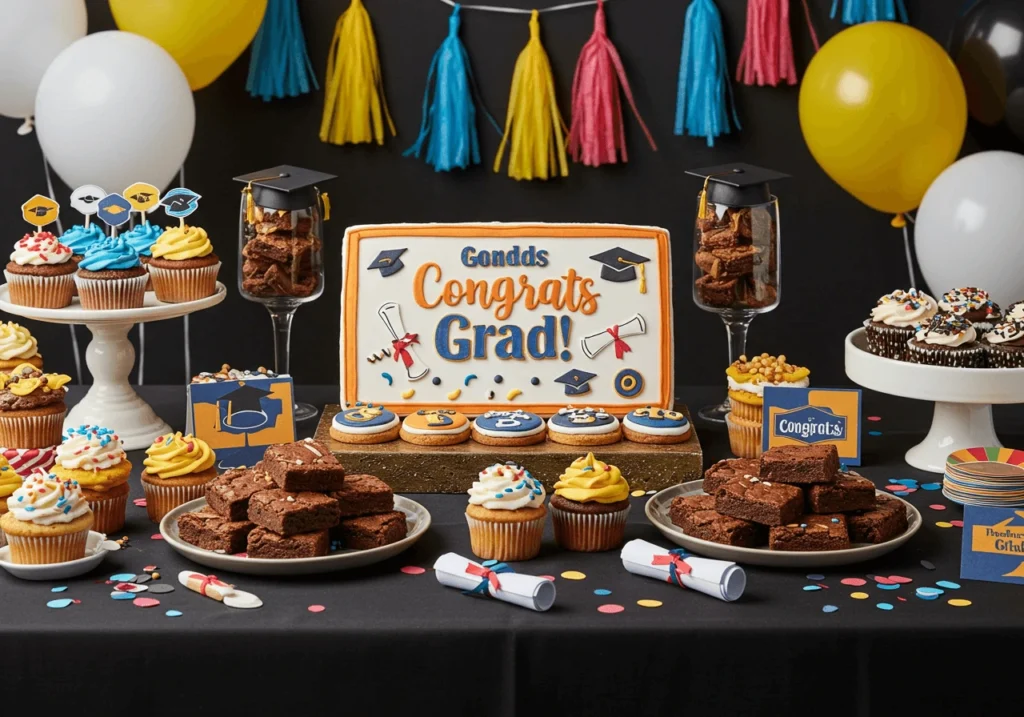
<point x="203" y="36"/>
<point x="883" y="111"/>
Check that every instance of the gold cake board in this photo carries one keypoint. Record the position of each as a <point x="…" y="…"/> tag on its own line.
<point x="410" y="468"/>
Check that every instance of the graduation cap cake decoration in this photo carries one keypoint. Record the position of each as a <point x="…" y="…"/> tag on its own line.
<point x="388" y="262"/>
<point x="576" y="382"/>
<point x="621" y="265"/>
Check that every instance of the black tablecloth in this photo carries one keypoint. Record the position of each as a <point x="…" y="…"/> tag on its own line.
<point x="390" y="641"/>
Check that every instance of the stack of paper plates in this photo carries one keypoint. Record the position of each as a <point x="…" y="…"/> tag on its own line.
<point x="985" y="476"/>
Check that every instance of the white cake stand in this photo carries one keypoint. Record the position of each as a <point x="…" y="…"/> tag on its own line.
<point x="111" y="401"/>
<point x="963" y="398"/>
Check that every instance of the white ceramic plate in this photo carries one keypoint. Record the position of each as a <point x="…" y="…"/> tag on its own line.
<point x="96" y="548"/>
<point x="657" y="512"/>
<point x="417" y="520"/>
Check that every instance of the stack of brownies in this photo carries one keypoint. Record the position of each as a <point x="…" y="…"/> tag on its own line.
<point x="792" y="498"/>
<point x="294" y="503"/>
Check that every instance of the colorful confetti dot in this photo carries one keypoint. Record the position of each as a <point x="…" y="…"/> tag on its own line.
<point x="59" y="589"/>
<point x="901" y="579"/>
<point x="927" y="565"/>
<point x="959" y="602"/>
<point x="638" y="493"/>
<point x="890" y="586"/>
<point x="937" y="506"/>
<point x="649" y="603"/>
<point x="931" y="486"/>
<point x="943" y="524"/>
<point x="948" y="585"/>
<point x="884" y="606"/>
<point x="874" y="433"/>
<point x="854" y="582"/>
<point x="811" y="588"/>
<point x="573" y="575"/>
<point x="547" y="577"/>
<point x="859" y="596"/>
<point x="122" y="577"/>
<point x="928" y="593"/>
<point x="829" y="608"/>
<point x="140" y="502"/>
<point x="610" y="609"/>
<point x="901" y="599"/>
<point x="874" y="418"/>
<point x="316" y="608"/>
<point x="122" y="596"/>
<point x="882" y="580"/>
<point x="489" y="563"/>
<point x="413" y="570"/>
<point x="173" y="613"/>
<point x="602" y="591"/>
<point x="957" y="523"/>
<point x="62" y="602"/>
<point x="156" y="536"/>
<point x="145" y="602"/>
<point x="815" y="577"/>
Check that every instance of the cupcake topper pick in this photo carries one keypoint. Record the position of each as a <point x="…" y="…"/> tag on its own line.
<point x="113" y="210"/>
<point x="40" y="211"/>
<point x="85" y="199"/>
<point x="143" y="197"/>
<point x="179" y="203"/>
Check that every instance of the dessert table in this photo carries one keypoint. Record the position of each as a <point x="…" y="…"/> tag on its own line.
<point x="392" y="641"/>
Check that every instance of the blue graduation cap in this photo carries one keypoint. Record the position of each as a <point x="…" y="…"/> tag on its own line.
<point x="576" y="381"/>
<point x="388" y="262"/>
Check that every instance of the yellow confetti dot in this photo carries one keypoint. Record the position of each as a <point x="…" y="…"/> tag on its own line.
<point x="573" y="575"/>
<point x="454" y="394"/>
<point x="409" y="394"/>
<point x="512" y="394"/>
<point x="859" y="596"/>
<point x="959" y="602"/>
<point x="649" y="603"/>
<point x="638" y="493"/>
<point x="944" y="524"/>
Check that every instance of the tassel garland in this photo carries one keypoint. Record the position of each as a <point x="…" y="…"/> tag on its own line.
<point x="355" y="109"/>
<point x="280" y="66"/>
<point x="704" y="100"/>
<point x="448" y="129"/>
<point x="533" y="123"/>
<point x="767" y="55"/>
<point x="858" y="11"/>
<point x="598" y="134"/>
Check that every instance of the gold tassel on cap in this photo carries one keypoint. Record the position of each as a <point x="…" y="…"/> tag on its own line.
<point x="702" y="207"/>
<point x="326" y="201"/>
<point x="641" y="274"/>
<point x="250" y="205"/>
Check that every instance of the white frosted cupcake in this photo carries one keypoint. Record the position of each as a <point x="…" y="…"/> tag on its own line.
<point x="506" y="513"/>
<point x="894" y="320"/>
<point x="41" y="273"/>
<point x="47" y="521"/>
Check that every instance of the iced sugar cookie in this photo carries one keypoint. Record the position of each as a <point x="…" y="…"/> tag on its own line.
<point x="656" y="425"/>
<point x="435" y="427"/>
<point x="509" y="428"/>
<point x="365" y="423"/>
<point x="584" y="427"/>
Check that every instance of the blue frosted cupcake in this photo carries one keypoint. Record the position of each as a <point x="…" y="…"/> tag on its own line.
<point x="110" y="276"/>
<point x="79" y="238"/>
<point x="141" y="239"/>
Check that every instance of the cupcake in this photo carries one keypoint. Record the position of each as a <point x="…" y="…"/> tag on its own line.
<point x="10" y="481"/>
<point x="17" y="346"/>
<point x="110" y="276"/>
<point x="94" y="458"/>
<point x="183" y="267"/>
<point x="894" y="320"/>
<point x="141" y="239"/>
<point x="177" y="471"/>
<point x="974" y="305"/>
<point x="47" y="521"/>
<point x="79" y="238"/>
<point x="41" y="272"/>
<point x="747" y="380"/>
<point x="31" y="407"/>
<point x="1015" y="312"/>
<point x="947" y="340"/>
<point x="589" y="506"/>
<point x="506" y="513"/>
<point x="1004" y="344"/>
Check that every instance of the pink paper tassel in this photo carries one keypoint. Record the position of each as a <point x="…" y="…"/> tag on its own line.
<point x="597" y="133"/>
<point x="767" y="56"/>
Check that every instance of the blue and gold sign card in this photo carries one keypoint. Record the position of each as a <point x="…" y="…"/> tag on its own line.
<point x="993" y="545"/>
<point x="808" y="416"/>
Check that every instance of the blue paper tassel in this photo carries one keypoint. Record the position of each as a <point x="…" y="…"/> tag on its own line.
<point x="858" y="11"/>
<point x="448" y="129"/>
<point x="704" y="101"/>
<point x="280" y="65"/>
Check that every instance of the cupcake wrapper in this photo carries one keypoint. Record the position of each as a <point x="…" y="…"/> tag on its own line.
<point x="41" y="292"/>
<point x="1002" y="358"/>
<point x="176" y="286"/>
<point x="744" y="439"/>
<point x="162" y="499"/>
<point x="31" y="431"/>
<point x="589" y="532"/>
<point x="746" y="410"/>
<point x="108" y="513"/>
<point x="38" y="550"/>
<point x="102" y="294"/>
<point x="3" y="538"/>
<point x="888" y="341"/>
<point x="960" y="358"/>
<point x="505" y="541"/>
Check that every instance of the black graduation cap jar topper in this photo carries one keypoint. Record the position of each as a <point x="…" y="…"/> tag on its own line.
<point x="622" y="265"/>
<point x="285" y="188"/>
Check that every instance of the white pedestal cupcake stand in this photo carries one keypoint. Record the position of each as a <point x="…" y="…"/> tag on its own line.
<point x="963" y="398"/>
<point x="111" y="401"/>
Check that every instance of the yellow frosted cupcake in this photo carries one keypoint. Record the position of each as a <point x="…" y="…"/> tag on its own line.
<point x="589" y="506"/>
<point x="747" y="380"/>
<point x="17" y="346"/>
<point x="32" y="407"/>
<point x="177" y="471"/>
<point x="10" y="481"/>
<point x="95" y="458"/>
<point x="183" y="267"/>
<point x="506" y="513"/>
<point x="48" y="521"/>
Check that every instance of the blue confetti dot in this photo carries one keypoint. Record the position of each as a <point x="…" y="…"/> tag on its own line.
<point x="489" y="563"/>
<point x="602" y="591"/>
<point x="62" y="602"/>
<point x="878" y="433"/>
<point x="815" y="576"/>
<point x="835" y="520"/>
<point x="908" y="482"/>
<point x="829" y="608"/>
<point x="931" y="486"/>
<point x="811" y="588"/>
<point x="948" y="585"/>
<point x="884" y="606"/>
<point x="928" y="593"/>
<point x="59" y="589"/>
<point x="894" y="586"/>
<point x="901" y="493"/>
<point x="122" y="596"/>
<point x="123" y="577"/>
<point x="173" y="613"/>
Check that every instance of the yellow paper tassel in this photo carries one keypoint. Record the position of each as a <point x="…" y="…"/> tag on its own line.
<point x="354" y="106"/>
<point x="533" y="123"/>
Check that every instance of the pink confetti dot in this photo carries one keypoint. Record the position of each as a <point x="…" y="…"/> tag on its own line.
<point x="547" y="577"/>
<point x="957" y="523"/>
<point x="900" y="579"/>
<point x="881" y="580"/>
<point x="610" y="609"/>
<point x="156" y="536"/>
<point x="854" y="582"/>
<point x="145" y="602"/>
<point x="937" y="506"/>
<point x="316" y="608"/>
<point x="874" y="418"/>
<point x="140" y="502"/>
<point x="901" y="599"/>
<point x="413" y="570"/>
<point x="895" y="487"/>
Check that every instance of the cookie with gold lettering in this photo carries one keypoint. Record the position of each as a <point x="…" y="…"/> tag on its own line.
<point x="656" y="425"/>
<point x="365" y="423"/>
<point x="435" y="427"/>
<point x="509" y="428"/>
<point x="584" y="427"/>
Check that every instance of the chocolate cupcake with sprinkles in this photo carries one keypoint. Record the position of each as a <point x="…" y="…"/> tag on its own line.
<point x="1004" y="344"/>
<point x="895" y="319"/>
<point x="947" y="340"/>
<point x="974" y="305"/>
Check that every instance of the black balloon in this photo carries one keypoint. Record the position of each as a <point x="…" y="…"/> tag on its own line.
<point x="987" y="45"/>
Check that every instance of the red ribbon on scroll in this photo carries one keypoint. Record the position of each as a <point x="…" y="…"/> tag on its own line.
<point x="621" y="347"/>
<point x="401" y="348"/>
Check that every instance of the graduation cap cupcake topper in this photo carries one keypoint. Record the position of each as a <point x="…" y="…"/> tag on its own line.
<point x="40" y="211"/>
<point x="143" y="197"/>
<point x="113" y="210"/>
<point x="86" y="199"/>
<point x="180" y="202"/>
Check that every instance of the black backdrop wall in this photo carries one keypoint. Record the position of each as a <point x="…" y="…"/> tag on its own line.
<point x="838" y="255"/>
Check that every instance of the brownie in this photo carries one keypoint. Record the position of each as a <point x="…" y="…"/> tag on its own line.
<point x="800" y="464"/>
<point x="290" y="513"/>
<point x="280" y="249"/>
<point x="886" y="520"/>
<point x="371" y="531"/>
<point x="811" y="533"/>
<point x="303" y="465"/>
<point x="849" y="492"/>
<point x="716" y="292"/>
<point x="364" y="495"/>
<point x="229" y="494"/>
<point x="715" y="527"/>
<point x="206" y="529"/>
<point x="733" y="261"/>
<point x="728" y="470"/>
<point x="760" y="501"/>
<point x="267" y="544"/>
<point x="684" y="506"/>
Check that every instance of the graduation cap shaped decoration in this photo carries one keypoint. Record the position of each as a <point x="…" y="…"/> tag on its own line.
<point x="180" y="202"/>
<point x="388" y="262"/>
<point x="245" y="398"/>
<point x="620" y="265"/>
<point x="576" y="382"/>
<point x="737" y="184"/>
<point x="286" y="187"/>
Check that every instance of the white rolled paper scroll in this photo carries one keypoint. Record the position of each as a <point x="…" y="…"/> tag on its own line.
<point x="717" y="578"/>
<point x="523" y="590"/>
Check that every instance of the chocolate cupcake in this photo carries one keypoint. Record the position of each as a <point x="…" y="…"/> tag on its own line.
<point x="1014" y="312"/>
<point x="895" y="319"/>
<point x="974" y="305"/>
<point x="41" y="272"/>
<point x="1004" y="344"/>
<point x="947" y="340"/>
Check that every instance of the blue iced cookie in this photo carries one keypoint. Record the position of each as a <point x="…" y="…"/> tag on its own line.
<point x="365" y="423"/>
<point x="584" y="427"/>
<point x="509" y="428"/>
<point x="656" y="425"/>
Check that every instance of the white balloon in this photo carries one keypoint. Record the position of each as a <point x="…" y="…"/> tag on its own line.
<point x="969" y="230"/>
<point x="112" y="109"/>
<point x="32" y="33"/>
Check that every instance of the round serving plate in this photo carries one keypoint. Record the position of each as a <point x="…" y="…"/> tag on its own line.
<point x="657" y="512"/>
<point x="963" y="398"/>
<point x="417" y="519"/>
<point x="96" y="548"/>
